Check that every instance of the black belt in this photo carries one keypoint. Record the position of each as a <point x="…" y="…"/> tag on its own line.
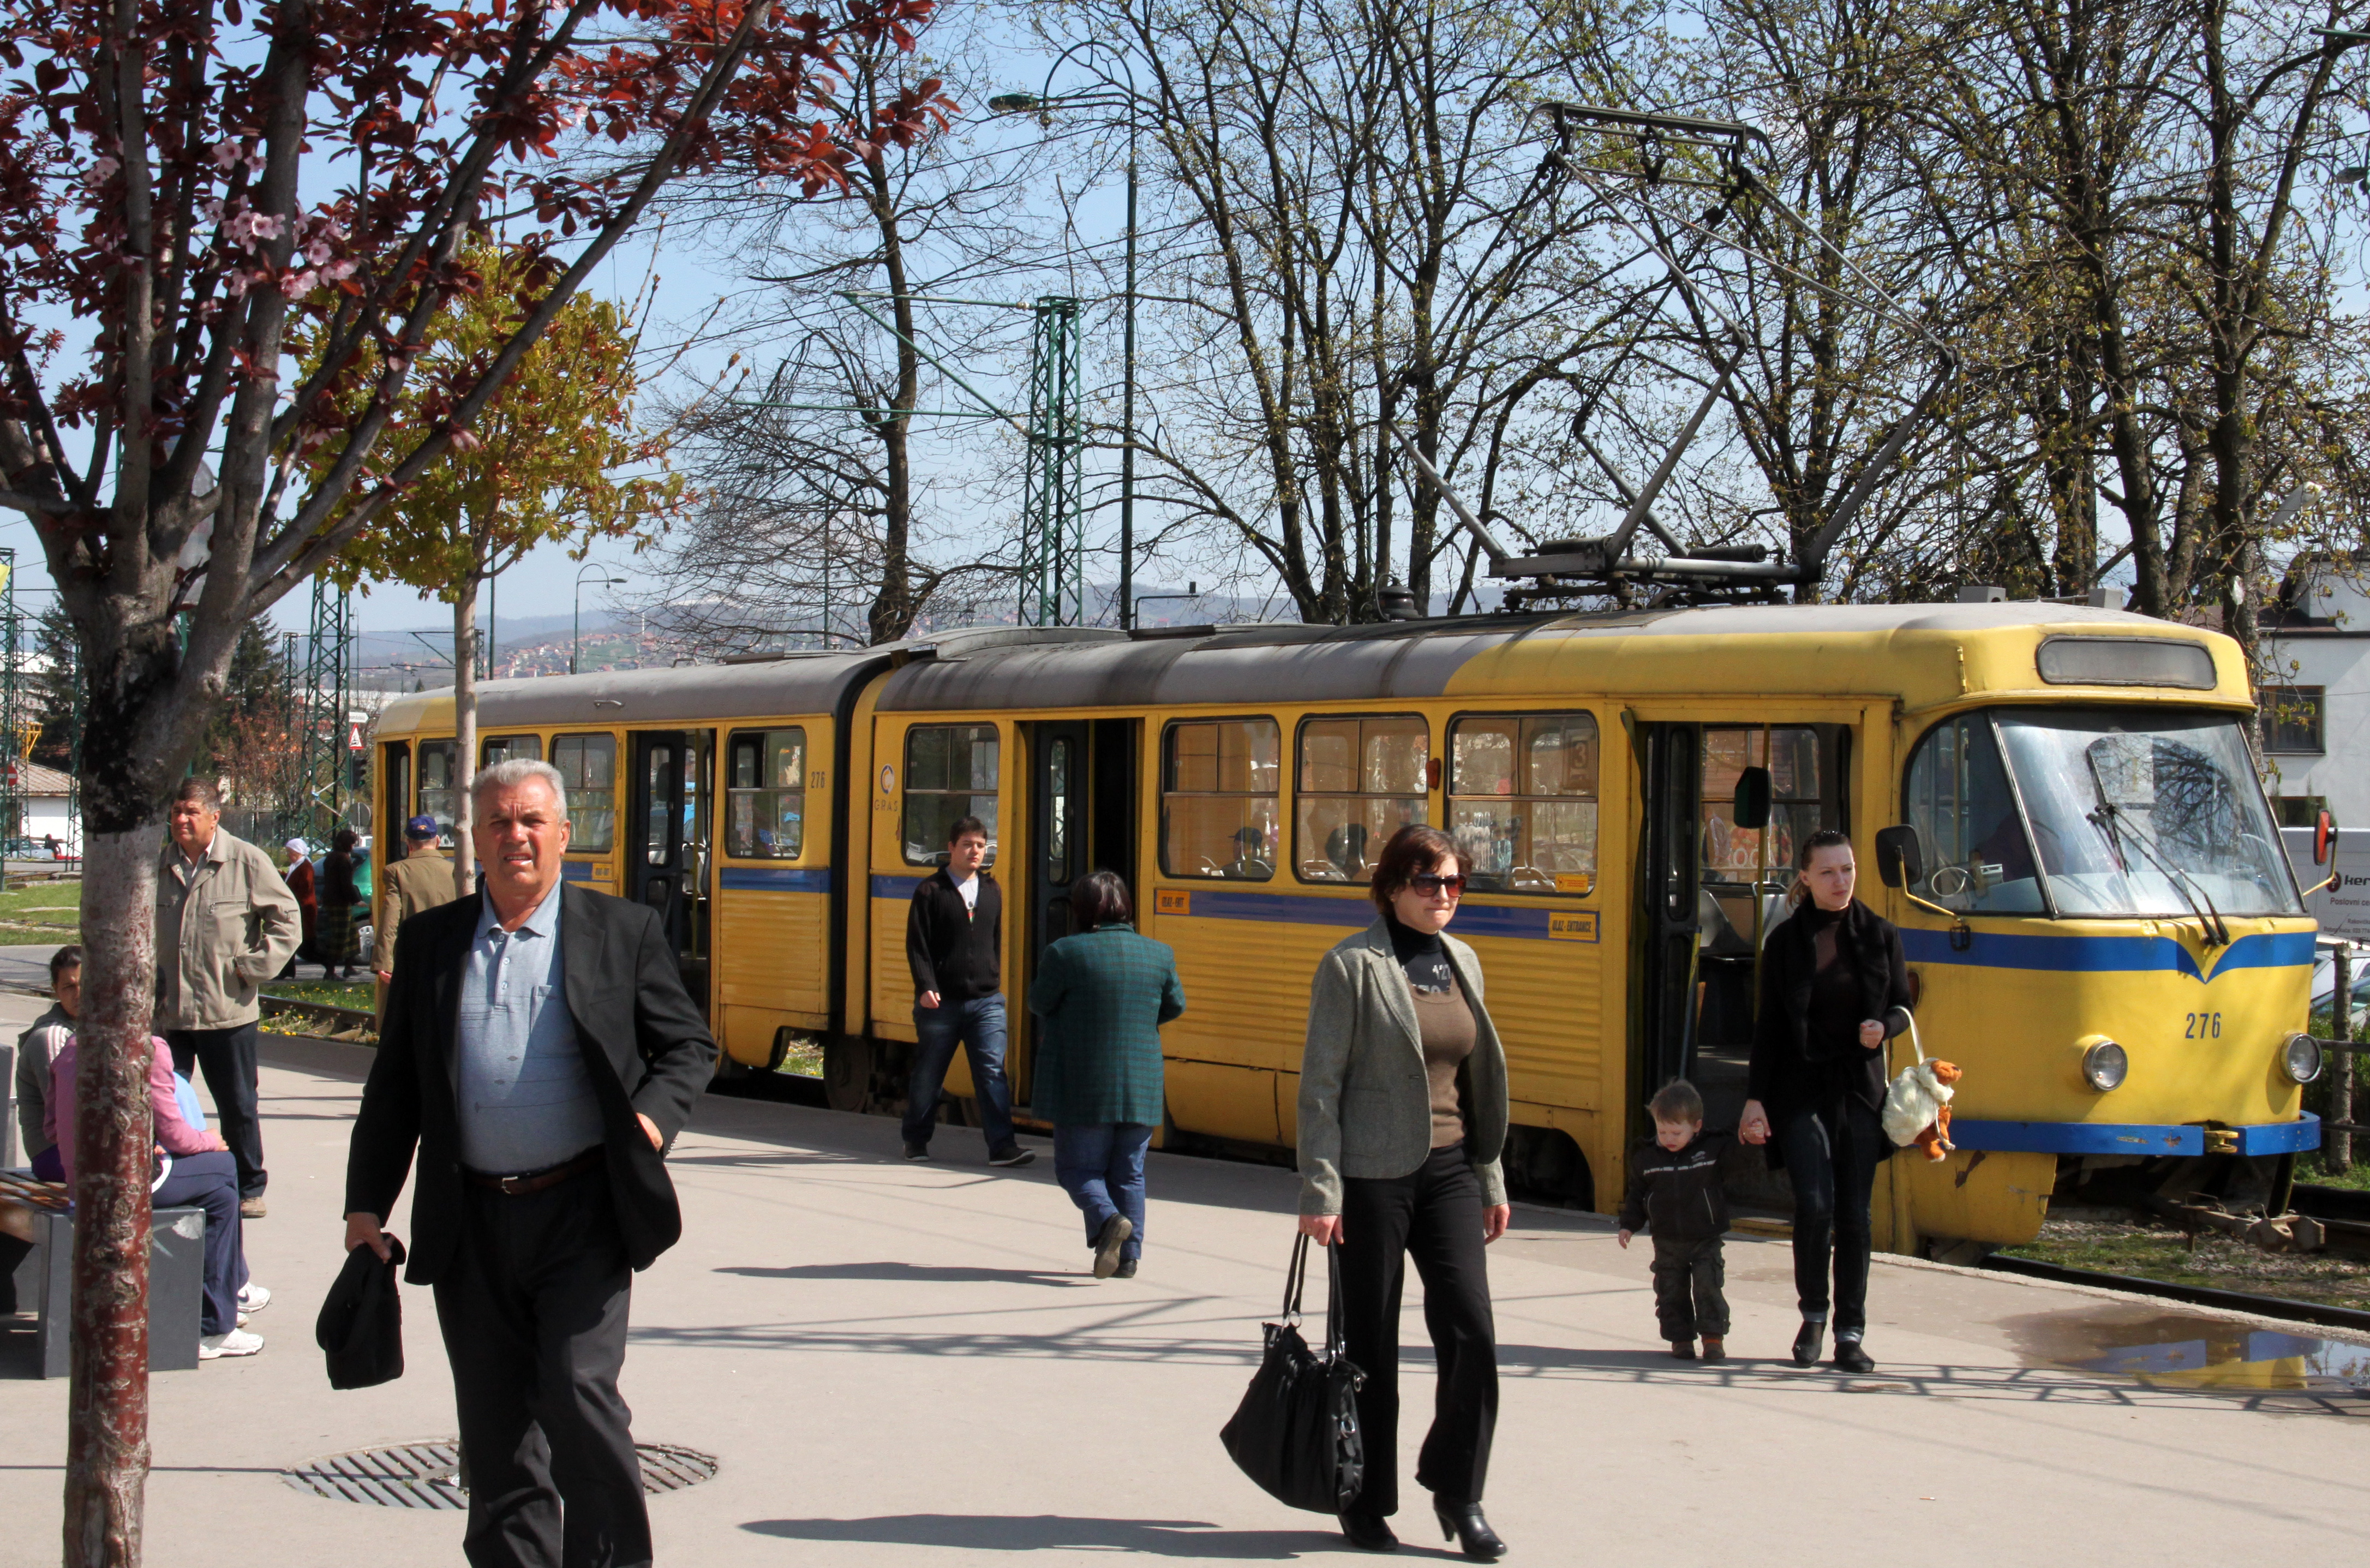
<point x="535" y="1181"/>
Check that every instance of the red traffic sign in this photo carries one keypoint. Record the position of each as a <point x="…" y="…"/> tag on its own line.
<point x="353" y="737"/>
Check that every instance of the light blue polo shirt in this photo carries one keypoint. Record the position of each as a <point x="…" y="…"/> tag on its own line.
<point x="525" y="1101"/>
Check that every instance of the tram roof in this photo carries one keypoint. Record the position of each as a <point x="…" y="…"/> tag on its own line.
<point x="793" y="683"/>
<point x="1919" y="653"/>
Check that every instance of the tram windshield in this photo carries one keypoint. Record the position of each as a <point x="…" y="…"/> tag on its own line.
<point x="2122" y="812"/>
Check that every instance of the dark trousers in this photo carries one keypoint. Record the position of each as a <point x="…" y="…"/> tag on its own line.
<point x="227" y="1058"/>
<point x="978" y="1026"/>
<point x="534" y="1311"/>
<point x="1831" y="1159"/>
<point x="1100" y="1165"/>
<point x="1432" y="1215"/>
<point x="1688" y="1295"/>
<point x="210" y="1182"/>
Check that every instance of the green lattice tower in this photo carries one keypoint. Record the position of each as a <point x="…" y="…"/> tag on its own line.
<point x="12" y="706"/>
<point x="324" y="697"/>
<point x="1052" y="539"/>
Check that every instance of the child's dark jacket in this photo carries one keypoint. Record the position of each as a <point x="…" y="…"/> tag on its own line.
<point x="1676" y="1197"/>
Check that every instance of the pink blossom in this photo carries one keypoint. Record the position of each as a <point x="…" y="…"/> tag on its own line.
<point x="317" y="253"/>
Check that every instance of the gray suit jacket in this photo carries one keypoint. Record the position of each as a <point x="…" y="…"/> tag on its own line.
<point x="1365" y="1103"/>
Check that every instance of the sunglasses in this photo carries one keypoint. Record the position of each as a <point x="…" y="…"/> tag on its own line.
<point x="1430" y="883"/>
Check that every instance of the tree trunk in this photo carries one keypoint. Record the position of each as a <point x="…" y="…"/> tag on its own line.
<point x="107" y="1425"/>
<point x="465" y="730"/>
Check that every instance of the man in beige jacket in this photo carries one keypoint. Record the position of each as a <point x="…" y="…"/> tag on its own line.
<point x="225" y="923"/>
<point x="421" y="880"/>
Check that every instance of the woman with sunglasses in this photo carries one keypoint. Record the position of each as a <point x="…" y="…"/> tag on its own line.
<point x="1402" y="1119"/>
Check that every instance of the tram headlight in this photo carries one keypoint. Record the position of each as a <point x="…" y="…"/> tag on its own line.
<point x="2105" y="1066"/>
<point x="2301" y="1058"/>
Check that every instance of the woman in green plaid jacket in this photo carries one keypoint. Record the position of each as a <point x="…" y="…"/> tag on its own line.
<point x="1103" y="993"/>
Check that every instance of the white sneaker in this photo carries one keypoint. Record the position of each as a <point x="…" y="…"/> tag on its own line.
<point x="253" y="1299"/>
<point x="238" y="1342"/>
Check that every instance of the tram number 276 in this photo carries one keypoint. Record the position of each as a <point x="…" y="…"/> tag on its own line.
<point x="2204" y="1026"/>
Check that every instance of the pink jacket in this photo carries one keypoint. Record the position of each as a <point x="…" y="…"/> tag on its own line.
<point x="174" y="1134"/>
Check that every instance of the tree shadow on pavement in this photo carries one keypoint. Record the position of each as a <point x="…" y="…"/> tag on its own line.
<point x="917" y="1273"/>
<point x="1056" y="1532"/>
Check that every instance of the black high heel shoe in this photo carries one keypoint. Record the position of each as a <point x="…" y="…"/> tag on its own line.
<point x="1463" y="1523"/>
<point x="1368" y="1532"/>
<point x="1806" y="1343"/>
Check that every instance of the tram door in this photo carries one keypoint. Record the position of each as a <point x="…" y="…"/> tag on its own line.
<point x="667" y="864"/>
<point x="1060" y="794"/>
<point x="1081" y="819"/>
<point x="1669" y="925"/>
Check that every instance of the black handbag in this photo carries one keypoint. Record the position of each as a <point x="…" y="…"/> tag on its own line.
<point x="1296" y="1431"/>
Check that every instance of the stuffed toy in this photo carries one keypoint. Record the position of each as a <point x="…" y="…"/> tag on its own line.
<point x="1917" y="1107"/>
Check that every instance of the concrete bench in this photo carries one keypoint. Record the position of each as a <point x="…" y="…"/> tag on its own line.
<point x="44" y="1279"/>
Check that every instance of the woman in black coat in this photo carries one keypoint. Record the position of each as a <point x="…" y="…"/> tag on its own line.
<point x="1834" y="989"/>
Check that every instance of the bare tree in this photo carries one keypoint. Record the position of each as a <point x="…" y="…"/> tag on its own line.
<point x="823" y="517"/>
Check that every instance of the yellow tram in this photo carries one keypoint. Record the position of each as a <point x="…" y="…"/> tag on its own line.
<point x="2105" y="934"/>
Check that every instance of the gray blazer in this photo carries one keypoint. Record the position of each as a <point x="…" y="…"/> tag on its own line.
<point x="1365" y="1102"/>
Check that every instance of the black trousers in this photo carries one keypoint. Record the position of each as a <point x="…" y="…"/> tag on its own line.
<point x="1688" y="1295"/>
<point x="534" y="1312"/>
<point x="1831" y="1158"/>
<point x="228" y="1059"/>
<point x="1432" y="1215"/>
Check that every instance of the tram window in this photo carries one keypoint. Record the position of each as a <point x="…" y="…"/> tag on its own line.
<point x="765" y="794"/>
<point x="1360" y="781"/>
<point x="1219" y="814"/>
<point x="503" y="748"/>
<point x="1958" y="798"/>
<point x="436" y="788"/>
<point x="1798" y="807"/>
<point x="1522" y="803"/>
<point x="589" y="763"/>
<point x="950" y="773"/>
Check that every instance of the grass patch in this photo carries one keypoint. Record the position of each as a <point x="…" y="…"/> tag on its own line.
<point x="360" y="995"/>
<point x="2160" y="1253"/>
<point x="2356" y="1176"/>
<point x="46" y="911"/>
<point x="804" y="1058"/>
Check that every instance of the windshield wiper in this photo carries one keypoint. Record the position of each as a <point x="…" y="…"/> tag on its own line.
<point x="2106" y="818"/>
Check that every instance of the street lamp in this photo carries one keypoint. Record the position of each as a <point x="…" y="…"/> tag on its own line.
<point x="576" y="619"/>
<point x="1044" y="103"/>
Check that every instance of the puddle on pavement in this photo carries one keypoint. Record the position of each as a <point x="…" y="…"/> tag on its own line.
<point x="2193" y="1351"/>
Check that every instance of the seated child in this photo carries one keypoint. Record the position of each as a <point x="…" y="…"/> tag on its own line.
<point x="1674" y="1195"/>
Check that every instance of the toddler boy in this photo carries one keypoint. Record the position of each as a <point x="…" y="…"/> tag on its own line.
<point x="1674" y="1195"/>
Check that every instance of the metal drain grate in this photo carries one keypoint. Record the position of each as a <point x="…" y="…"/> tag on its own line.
<point x="424" y="1475"/>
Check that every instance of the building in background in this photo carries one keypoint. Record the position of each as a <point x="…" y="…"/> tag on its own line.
<point x="2316" y="699"/>
<point x="48" y="797"/>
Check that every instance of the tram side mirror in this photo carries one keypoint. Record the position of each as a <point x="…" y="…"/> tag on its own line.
<point x="2324" y="838"/>
<point x="1753" y="799"/>
<point x="1899" y="856"/>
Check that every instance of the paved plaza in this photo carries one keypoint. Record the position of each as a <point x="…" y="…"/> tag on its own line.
<point x="910" y="1365"/>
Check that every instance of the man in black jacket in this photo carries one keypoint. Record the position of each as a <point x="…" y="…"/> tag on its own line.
<point x="954" y="934"/>
<point x="538" y="1053"/>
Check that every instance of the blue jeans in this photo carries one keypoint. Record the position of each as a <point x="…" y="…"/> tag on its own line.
<point x="1100" y="1165"/>
<point x="978" y="1024"/>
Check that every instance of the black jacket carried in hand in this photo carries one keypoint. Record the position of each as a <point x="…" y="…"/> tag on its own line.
<point x="1792" y="1071"/>
<point x="956" y="951"/>
<point x="360" y="1325"/>
<point x="646" y="1050"/>
<point x="1676" y="1196"/>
